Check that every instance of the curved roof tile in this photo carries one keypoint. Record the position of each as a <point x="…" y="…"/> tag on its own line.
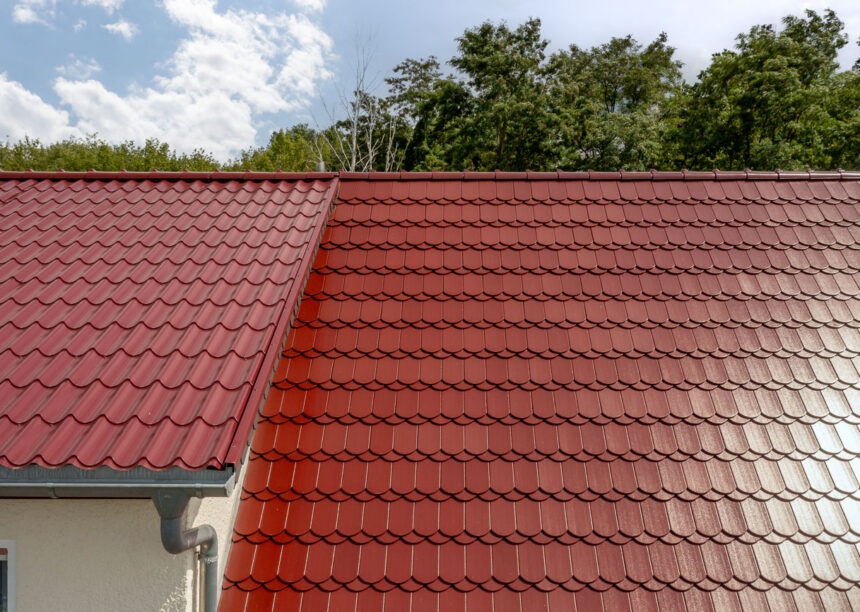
<point x="141" y="313"/>
<point x="567" y="391"/>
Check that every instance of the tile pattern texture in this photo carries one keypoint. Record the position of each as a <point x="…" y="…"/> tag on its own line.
<point x="141" y="316"/>
<point x="595" y="392"/>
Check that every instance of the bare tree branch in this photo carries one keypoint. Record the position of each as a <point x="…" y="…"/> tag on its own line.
<point x="366" y="128"/>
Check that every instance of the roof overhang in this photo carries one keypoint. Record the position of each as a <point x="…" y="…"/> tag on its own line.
<point x="35" y="481"/>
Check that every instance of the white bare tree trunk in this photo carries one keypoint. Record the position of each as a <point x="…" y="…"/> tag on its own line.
<point x="357" y="150"/>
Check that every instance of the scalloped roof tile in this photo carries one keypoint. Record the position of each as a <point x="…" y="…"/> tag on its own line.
<point x="141" y="314"/>
<point x="559" y="391"/>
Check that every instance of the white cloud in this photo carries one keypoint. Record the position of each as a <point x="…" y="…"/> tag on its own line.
<point x="311" y="5"/>
<point x="78" y="68"/>
<point x="214" y="122"/>
<point x="109" y="5"/>
<point x="123" y="28"/>
<point x="237" y="53"/>
<point x="44" y="11"/>
<point x="23" y="113"/>
<point x="33" y="11"/>
<point x="80" y="24"/>
<point x="231" y="67"/>
<point x="24" y="14"/>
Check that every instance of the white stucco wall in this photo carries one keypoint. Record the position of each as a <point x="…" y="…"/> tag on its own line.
<point x="106" y="554"/>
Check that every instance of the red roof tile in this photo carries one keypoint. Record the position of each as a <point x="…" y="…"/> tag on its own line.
<point x="141" y="314"/>
<point x="619" y="391"/>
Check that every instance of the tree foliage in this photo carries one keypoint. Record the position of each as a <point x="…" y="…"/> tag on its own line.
<point x="613" y="104"/>
<point x="506" y="88"/>
<point x="289" y="150"/>
<point x="776" y="100"/>
<point x="76" y="154"/>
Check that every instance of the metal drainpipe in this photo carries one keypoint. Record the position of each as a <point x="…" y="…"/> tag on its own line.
<point x="171" y="508"/>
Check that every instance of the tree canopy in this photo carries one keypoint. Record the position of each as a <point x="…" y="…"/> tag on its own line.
<point x="76" y="154"/>
<point x="613" y="104"/>
<point x="776" y="100"/>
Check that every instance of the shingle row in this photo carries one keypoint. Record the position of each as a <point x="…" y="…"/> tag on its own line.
<point x="565" y="402"/>
<point x="135" y="318"/>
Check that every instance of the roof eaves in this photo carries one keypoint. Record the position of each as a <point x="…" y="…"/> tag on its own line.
<point x="34" y="481"/>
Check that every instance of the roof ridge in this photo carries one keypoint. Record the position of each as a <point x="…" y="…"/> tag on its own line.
<point x="497" y="175"/>
<point x="622" y="175"/>
<point x="214" y="175"/>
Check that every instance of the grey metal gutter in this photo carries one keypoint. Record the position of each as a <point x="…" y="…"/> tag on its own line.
<point x="105" y="482"/>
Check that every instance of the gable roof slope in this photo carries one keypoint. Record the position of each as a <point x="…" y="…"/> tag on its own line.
<point x="595" y="391"/>
<point x="141" y="314"/>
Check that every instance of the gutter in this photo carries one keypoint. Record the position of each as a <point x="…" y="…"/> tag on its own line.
<point x="35" y="481"/>
<point x="170" y="491"/>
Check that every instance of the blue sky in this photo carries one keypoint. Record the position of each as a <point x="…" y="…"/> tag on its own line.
<point x="222" y="74"/>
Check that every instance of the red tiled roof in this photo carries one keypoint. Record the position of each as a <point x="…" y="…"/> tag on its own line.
<point x="612" y="391"/>
<point x="141" y="314"/>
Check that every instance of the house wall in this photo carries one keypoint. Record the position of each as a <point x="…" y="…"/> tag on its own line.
<point x="106" y="554"/>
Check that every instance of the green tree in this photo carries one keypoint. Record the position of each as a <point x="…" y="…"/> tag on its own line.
<point x="289" y="150"/>
<point x="442" y="137"/>
<point x="613" y="102"/>
<point x="79" y="154"/>
<point x="777" y="100"/>
<point x="492" y="114"/>
<point x="505" y="75"/>
<point x="413" y="98"/>
<point x="411" y="85"/>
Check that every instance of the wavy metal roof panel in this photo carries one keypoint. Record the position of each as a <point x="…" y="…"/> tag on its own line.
<point x="140" y="318"/>
<point x="553" y="394"/>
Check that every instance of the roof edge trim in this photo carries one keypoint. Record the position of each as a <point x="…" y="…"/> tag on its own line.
<point x="106" y="482"/>
<point x="156" y="175"/>
<point x="498" y="175"/>
<point x="263" y="377"/>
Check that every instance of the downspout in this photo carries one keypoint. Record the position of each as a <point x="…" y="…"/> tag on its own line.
<point x="171" y="508"/>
